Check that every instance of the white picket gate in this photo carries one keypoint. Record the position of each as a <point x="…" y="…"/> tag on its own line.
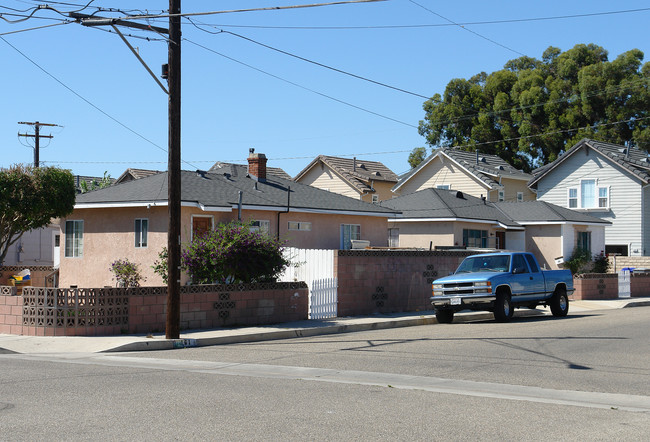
<point x="316" y="268"/>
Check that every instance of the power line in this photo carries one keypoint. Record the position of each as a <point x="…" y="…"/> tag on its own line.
<point x="340" y="71"/>
<point x="468" y="30"/>
<point x="91" y="104"/>
<point x="436" y="25"/>
<point x="300" y="86"/>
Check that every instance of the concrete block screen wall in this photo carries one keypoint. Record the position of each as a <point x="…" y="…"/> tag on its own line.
<point x="112" y="311"/>
<point x="390" y="281"/>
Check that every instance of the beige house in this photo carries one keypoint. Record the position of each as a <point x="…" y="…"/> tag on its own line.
<point x="437" y="218"/>
<point x="475" y="174"/>
<point x="130" y="220"/>
<point x="368" y="181"/>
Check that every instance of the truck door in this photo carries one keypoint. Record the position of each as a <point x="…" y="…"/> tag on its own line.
<point x="527" y="283"/>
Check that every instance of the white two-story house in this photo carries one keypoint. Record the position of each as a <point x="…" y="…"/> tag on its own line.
<point x="608" y="181"/>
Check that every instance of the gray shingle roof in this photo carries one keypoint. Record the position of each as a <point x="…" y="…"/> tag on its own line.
<point x="631" y="159"/>
<point x="440" y="203"/>
<point x="540" y="211"/>
<point x="275" y="171"/>
<point x="487" y="168"/>
<point x="220" y="189"/>
<point x="359" y="173"/>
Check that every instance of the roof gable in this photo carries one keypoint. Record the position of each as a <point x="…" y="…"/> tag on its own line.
<point x="629" y="159"/>
<point x="484" y="168"/>
<point x="360" y="174"/>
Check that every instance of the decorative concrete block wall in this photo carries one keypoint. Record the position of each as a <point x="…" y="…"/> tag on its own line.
<point x="387" y="281"/>
<point x="111" y="311"/>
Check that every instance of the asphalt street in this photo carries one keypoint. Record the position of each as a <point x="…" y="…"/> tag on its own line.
<point x="584" y="377"/>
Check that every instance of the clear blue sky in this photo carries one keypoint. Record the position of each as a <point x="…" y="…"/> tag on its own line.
<point x="238" y="94"/>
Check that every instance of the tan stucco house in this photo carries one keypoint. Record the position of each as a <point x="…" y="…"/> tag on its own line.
<point x="438" y="218"/>
<point x="368" y="181"/>
<point x="472" y="173"/>
<point x="129" y="220"/>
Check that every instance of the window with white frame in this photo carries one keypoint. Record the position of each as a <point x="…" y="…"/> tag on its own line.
<point x="261" y="225"/>
<point x="443" y="186"/>
<point x="603" y="197"/>
<point x="588" y="195"/>
<point x="74" y="239"/>
<point x="502" y="195"/>
<point x="349" y="232"/>
<point x="520" y="197"/>
<point x="299" y="225"/>
<point x="573" y="198"/>
<point x="375" y="199"/>
<point x="141" y="232"/>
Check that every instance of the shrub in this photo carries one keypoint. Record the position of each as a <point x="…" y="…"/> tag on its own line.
<point x="160" y="265"/>
<point x="126" y="273"/>
<point x="233" y="253"/>
<point x="601" y="264"/>
<point x="578" y="260"/>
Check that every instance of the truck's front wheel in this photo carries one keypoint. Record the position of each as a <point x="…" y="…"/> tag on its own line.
<point x="503" y="307"/>
<point x="560" y="302"/>
<point x="444" y="315"/>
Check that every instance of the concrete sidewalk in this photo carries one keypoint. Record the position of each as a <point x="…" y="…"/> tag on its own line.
<point x="200" y="338"/>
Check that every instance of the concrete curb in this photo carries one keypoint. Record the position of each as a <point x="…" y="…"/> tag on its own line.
<point x="304" y="332"/>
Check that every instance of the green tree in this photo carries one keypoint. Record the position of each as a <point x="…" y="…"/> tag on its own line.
<point x="417" y="156"/>
<point x="533" y="110"/>
<point x="106" y="181"/>
<point x="30" y="198"/>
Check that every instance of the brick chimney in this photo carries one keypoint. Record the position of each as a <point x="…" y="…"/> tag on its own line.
<point x="257" y="166"/>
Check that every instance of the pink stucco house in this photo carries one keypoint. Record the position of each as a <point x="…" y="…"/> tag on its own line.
<point x="129" y="220"/>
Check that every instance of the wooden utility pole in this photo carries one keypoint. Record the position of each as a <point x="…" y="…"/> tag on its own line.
<point x="37" y="137"/>
<point x="172" y="326"/>
<point x="173" y="320"/>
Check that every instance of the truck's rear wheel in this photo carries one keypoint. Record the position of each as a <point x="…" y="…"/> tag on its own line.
<point x="444" y="315"/>
<point x="560" y="302"/>
<point x="503" y="309"/>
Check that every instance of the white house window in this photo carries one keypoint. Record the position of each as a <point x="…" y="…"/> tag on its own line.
<point x="349" y="232"/>
<point x="141" y="232"/>
<point x="520" y="197"/>
<point x="603" y="197"/>
<point x="573" y="198"/>
<point x="261" y="225"/>
<point x="588" y="196"/>
<point x="502" y="195"/>
<point x="74" y="239"/>
<point x="299" y="225"/>
<point x="443" y="186"/>
<point x="375" y="199"/>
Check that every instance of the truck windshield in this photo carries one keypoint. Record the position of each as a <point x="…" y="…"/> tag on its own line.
<point x="494" y="263"/>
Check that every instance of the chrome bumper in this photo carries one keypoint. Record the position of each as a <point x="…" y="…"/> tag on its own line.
<point x="465" y="299"/>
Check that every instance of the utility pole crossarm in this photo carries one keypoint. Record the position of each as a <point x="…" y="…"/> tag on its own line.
<point x="37" y="136"/>
<point x="93" y="20"/>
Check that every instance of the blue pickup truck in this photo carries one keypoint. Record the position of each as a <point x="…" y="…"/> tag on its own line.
<point x="501" y="282"/>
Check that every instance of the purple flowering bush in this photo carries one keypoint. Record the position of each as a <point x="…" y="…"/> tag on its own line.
<point x="126" y="273"/>
<point x="233" y="253"/>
